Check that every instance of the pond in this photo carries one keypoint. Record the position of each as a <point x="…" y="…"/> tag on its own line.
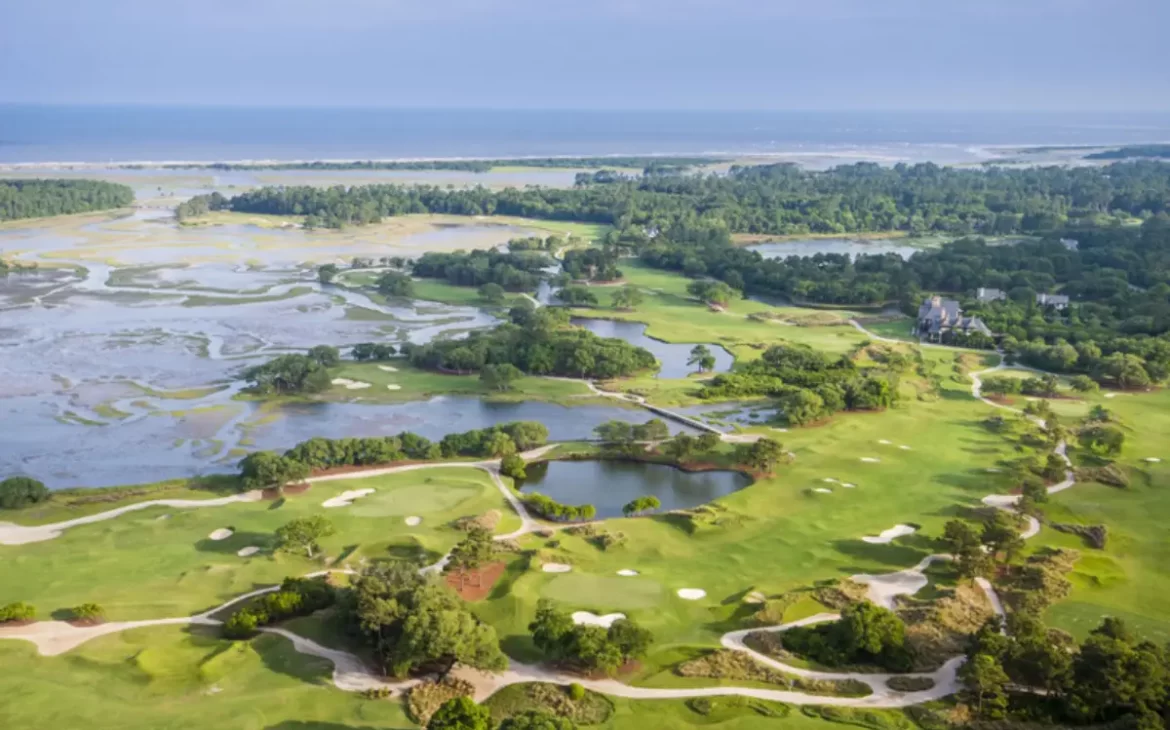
<point x="610" y="485"/>
<point x="852" y="247"/>
<point x="672" y="356"/>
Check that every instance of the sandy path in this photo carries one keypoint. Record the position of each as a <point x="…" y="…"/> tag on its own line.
<point x="11" y="534"/>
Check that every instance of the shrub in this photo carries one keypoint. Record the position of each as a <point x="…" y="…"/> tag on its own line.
<point x="904" y="683"/>
<point x="18" y="611"/>
<point x="426" y="698"/>
<point x="17" y="492"/>
<point x="296" y="597"/>
<point x="512" y="465"/>
<point x="576" y="692"/>
<point x="88" y="612"/>
<point x="241" y="625"/>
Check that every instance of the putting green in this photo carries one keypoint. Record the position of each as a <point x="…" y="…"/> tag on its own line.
<point x="583" y="591"/>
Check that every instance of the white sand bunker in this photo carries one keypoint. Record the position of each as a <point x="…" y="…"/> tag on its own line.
<point x="885" y="442"/>
<point x="388" y="368"/>
<point x="888" y="535"/>
<point x="993" y="470"/>
<point x="849" y="485"/>
<point x="393" y="386"/>
<point x="691" y="594"/>
<point x="221" y="534"/>
<point x="556" y="568"/>
<point x="586" y="618"/>
<point x="627" y="573"/>
<point x="413" y="520"/>
<point x="904" y="447"/>
<point x="755" y="598"/>
<point x="1152" y="460"/>
<point x="883" y="589"/>
<point x="350" y="384"/>
<point x="345" y="499"/>
<point x="870" y="459"/>
<point x="163" y="517"/>
<point x="829" y="480"/>
<point x="245" y="552"/>
<point x="822" y="490"/>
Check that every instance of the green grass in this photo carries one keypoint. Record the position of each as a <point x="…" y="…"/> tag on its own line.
<point x="435" y="290"/>
<point x="139" y="565"/>
<point x="417" y="384"/>
<point x="207" y="300"/>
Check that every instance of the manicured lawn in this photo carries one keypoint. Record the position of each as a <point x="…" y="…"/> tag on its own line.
<point x="416" y="384"/>
<point x="437" y="290"/>
<point x="144" y="565"/>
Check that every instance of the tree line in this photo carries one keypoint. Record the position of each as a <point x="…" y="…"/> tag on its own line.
<point x="42" y="198"/>
<point x="776" y="199"/>
<point x="518" y="271"/>
<point x="651" y="162"/>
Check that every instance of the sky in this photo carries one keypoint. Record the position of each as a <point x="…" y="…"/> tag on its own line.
<point x="1010" y="55"/>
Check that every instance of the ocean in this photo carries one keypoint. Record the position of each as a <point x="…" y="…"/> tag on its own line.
<point x="33" y="133"/>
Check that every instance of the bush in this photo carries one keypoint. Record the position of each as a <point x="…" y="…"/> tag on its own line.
<point x="513" y="466"/>
<point x="88" y="612"/>
<point x="18" y="611"/>
<point x="910" y="684"/>
<point x="296" y="597"/>
<point x="426" y="698"/>
<point x="241" y="625"/>
<point x="17" y="492"/>
<point x="576" y="692"/>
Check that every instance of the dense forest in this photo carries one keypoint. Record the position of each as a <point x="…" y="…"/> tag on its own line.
<point x="776" y="199"/>
<point x="643" y="162"/>
<point x="538" y="342"/>
<point x="517" y="272"/>
<point x="41" y="198"/>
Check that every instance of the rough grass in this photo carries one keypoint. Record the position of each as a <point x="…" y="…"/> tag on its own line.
<point x="593" y="709"/>
<point x="727" y="664"/>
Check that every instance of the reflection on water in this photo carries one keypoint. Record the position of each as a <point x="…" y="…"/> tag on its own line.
<point x="673" y="357"/>
<point x="609" y="485"/>
<point x="854" y="248"/>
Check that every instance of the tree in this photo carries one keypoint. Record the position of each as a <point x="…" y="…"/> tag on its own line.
<point x="627" y="298"/>
<point x="550" y="628"/>
<point x="615" y="432"/>
<point x="88" y="612"/>
<point x="708" y="441"/>
<point x="653" y="430"/>
<point x="268" y="470"/>
<point x="962" y="541"/>
<point x="326" y="273"/>
<point x="800" y="406"/>
<point x="577" y="296"/>
<point x="492" y="293"/>
<point x="288" y="374"/>
<point x="413" y="620"/>
<point x="470" y="553"/>
<point x="1002" y="534"/>
<point x="1104" y="441"/>
<point x="985" y="686"/>
<point x="702" y="357"/>
<point x="712" y="292"/>
<point x="762" y="456"/>
<point x="537" y="720"/>
<point x="395" y="284"/>
<point x="17" y="492"/>
<point x="1083" y="384"/>
<point x="460" y="713"/>
<point x="326" y="356"/>
<point x="641" y="505"/>
<point x="499" y="377"/>
<point x="303" y="534"/>
<point x="18" y="611"/>
<point x="512" y="466"/>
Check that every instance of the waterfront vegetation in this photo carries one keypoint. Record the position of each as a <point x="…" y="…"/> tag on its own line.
<point x="42" y="198"/>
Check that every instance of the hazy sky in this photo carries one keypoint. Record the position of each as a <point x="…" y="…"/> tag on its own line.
<point x="715" y="54"/>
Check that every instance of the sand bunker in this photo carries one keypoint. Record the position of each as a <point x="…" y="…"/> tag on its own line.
<point x="822" y="490"/>
<point x="888" y="535"/>
<point x="626" y="572"/>
<point x="885" y="442"/>
<point x="586" y="618"/>
<point x="904" y="447"/>
<point x="830" y="480"/>
<point x="413" y="520"/>
<point x="393" y="386"/>
<point x="870" y="460"/>
<point x="755" y="597"/>
<point x="221" y="534"/>
<point x="883" y="589"/>
<point x="388" y="368"/>
<point x="350" y="384"/>
<point x="1152" y="460"/>
<point x="556" y="568"/>
<point x="345" y="499"/>
<point x="691" y="594"/>
<point x="849" y="485"/>
<point x="245" y="552"/>
<point x="993" y="470"/>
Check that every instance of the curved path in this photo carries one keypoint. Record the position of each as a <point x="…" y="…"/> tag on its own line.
<point x="351" y="674"/>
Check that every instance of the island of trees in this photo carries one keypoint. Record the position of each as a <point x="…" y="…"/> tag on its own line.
<point x="40" y="198"/>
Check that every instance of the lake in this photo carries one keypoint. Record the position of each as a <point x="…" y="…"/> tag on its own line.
<point x="852" y="247"/>
<point x="672" y="356"/>
<point x="610" y="485"/>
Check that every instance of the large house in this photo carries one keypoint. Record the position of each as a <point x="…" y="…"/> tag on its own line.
<point x="1059" y="301"/>
<point x="938" y="316"/>
<point x="984" y="294"/>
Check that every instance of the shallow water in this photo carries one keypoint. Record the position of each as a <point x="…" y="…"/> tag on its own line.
<point x="672" y="356"/>
<point x="609" y="485"/>
<point x="814" y="246"/>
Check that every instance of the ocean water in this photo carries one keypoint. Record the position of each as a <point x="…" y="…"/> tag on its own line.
<point x="35" y="133"/>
